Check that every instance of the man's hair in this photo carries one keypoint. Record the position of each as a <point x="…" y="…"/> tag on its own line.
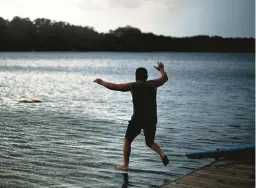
<point x="141" y="74"/>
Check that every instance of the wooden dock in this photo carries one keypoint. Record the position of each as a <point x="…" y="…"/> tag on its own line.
<point x="225" y="173"/>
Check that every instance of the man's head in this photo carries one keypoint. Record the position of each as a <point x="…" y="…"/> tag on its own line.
<point x="141" y="74"/>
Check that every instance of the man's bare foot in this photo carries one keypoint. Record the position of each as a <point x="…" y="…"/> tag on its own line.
<point x="122" y="167"/>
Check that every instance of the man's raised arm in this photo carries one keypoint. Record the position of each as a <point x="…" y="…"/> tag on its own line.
<point x="160" y="81"/>
<point x="116" y="87"/>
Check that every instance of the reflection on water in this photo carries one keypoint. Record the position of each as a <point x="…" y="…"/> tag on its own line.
<point x="74" y="137"/>
<point x="126" y="180"/>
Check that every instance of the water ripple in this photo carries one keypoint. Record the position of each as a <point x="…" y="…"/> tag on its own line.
<point x="74" y="137"/>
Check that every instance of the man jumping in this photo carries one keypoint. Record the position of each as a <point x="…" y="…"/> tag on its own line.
<point x="144" y="110"/>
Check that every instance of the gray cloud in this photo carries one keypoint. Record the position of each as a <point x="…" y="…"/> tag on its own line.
<point x="125" y="3"/>
<point x="88" y="5"/>
<point x="136" y="3"/>
<point x="128" y="4"/>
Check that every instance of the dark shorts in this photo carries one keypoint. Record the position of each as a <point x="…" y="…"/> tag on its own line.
<point x="134" y="129"/>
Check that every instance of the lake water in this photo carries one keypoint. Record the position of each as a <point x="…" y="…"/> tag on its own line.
<point x="74" y="137"/>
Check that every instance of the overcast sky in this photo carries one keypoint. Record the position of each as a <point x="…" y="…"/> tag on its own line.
<point x="227" y="18"/>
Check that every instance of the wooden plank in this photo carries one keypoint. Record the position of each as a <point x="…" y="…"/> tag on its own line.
<point x="189" y="183"/>
<point x="241" y="174"/>
<point x="202" y="183"/>
<point x="242" y="167"/>
<point x="200" y="180"/>
<point x="243" y="164"/>
<point x="182" y="185"/>
<point x="173" y="185"/>
<point x="232" y="169"/>
<point x="222" y="182"/>
<point x="233" y="173"/>
<point x="223" y="176"/>
<point x="220" y="174"/>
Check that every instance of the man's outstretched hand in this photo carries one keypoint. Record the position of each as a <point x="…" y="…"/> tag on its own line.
<point x="98" y="81"/>
<point x="160" y="66"/>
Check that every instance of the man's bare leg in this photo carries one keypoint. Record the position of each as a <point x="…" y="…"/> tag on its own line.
<point x="157" y="149"/>
<point x="126" y="155"/>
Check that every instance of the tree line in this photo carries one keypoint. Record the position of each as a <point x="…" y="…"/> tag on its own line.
<point x="22" y="34"/>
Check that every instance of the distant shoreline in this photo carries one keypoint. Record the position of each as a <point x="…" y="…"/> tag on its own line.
<point x="44" y="35"/>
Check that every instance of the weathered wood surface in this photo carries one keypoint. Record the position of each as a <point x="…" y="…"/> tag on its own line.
<point x="220" y="174"/>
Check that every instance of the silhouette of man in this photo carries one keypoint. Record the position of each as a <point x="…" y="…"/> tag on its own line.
<point x="144" y="110"/>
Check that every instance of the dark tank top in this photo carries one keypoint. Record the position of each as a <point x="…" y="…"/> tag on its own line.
<point x="144" y="102"/>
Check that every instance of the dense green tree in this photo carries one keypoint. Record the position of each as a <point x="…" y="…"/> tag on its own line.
<point x="22" y="34"/>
